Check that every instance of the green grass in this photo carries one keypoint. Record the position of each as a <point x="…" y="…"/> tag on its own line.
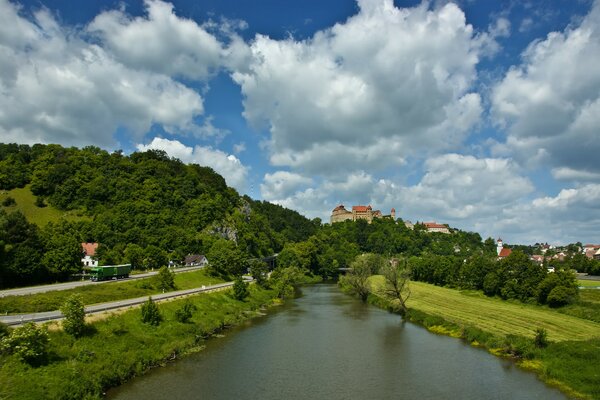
<point x="121" y="347"/>
<point x="496" y="316"/>
<point x="587" y="283"/>
<point x="100" y="293"/>
<point x="40" y="216"/>
<point x="587" y="307"/>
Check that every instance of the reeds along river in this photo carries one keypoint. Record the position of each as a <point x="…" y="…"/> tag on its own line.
<point x="326" y="345"/>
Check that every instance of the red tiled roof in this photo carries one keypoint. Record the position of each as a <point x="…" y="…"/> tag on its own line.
<point x="89" y="248"/>
<point x="434" y="225"/>
<point x="393" y="210"/>
<point x="338" y="208"/>
<point x="360" y="208"/>
<point x="505" y="252"/>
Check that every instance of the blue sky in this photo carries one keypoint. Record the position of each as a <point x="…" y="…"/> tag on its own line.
<point x="480" y="114"/>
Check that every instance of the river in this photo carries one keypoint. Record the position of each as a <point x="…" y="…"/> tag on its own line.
<point x="327" y="345"/>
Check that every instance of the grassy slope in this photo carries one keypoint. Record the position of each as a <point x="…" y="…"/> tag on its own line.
<point x="39" y="216"/>
<point x="99" y="293"/>
<point x="122" y="347"/>
<point x="588" y="283"/>
<point x="497" y="316"/>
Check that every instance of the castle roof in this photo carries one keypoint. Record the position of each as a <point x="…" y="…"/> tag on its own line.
<point x="339" y="208"/>
<point x="434" y="225"/>
<point x="505" y="252"/>
<point x="361" y="208"/>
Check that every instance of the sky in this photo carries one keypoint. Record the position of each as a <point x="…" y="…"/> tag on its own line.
<point x="484" y="115"/>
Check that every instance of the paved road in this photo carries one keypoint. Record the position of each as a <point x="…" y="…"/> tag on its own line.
<point x="19" y="319"/>
<point x="70" y="285"/>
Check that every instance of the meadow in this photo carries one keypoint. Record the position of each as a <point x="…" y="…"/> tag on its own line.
<point x="100" y="293"/>
<point x="25" y="202"/>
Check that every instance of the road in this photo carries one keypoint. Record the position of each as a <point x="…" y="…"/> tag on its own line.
<point x="70" y="285"/>
<point x="19" y="319"/>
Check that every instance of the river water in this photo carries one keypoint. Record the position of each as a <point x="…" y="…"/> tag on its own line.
<point x="327" y="345"/>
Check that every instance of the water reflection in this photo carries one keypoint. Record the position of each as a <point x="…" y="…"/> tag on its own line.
<point x="329" y="345"/>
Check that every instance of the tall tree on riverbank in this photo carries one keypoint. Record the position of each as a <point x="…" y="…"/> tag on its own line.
<point x="396" y="286"/>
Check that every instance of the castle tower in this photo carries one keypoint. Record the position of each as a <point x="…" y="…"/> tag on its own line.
<point x="393" y="214"/>
<point x="499" y="246"/>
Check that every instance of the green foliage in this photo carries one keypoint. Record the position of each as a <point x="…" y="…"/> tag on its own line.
<point x="4" y="330"/>
<point x="560" y="296"/>
<point x="259" y="271"/>
<point x="150" y="313"/>
<point x="39" y="202"/>
<point x="285" y="280"/>
<point x="185" y="312"/>
<point x="225" y="259"/>
<point x="396" y="287"/>
<point x="356" y="281"/>
<point x="240" y="288"/>
<point x="74" y="313"/>
<point x="165" y="279"/>
<point x="9" y="201"/>
<point x="541" y="338"/>
<point x="29" y="343"/>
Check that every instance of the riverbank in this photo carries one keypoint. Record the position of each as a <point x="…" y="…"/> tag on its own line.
<point x="507" y="329"/>
<point x="121" y="347"/>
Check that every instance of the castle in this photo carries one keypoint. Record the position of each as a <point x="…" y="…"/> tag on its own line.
<point x="367" y="213"/>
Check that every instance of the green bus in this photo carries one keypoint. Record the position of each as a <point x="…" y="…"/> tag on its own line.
<point x="110" y="272"/>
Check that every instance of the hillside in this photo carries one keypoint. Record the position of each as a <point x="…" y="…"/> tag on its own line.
<point x="144" y="209"/>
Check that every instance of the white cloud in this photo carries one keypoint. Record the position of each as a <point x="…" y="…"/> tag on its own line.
<point x="160" y="41"/>
<point x="366" y="93"/>
<point x="239" y="148"/>
<point x="281" y="184"/>
<point x="569" y="174"/>
<point x="550" y="104"/>
<point x="227" y="165"/>
<point x="56" y="87"/>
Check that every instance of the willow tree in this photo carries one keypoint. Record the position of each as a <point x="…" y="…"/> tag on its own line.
<point x="396" y="287"/>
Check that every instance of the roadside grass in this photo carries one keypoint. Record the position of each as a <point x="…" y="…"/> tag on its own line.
<point x="587" y="283"/>
<point x="25" y="202"/>
<point x="496" y="316"/>
<point x="121" y="347"/>
<point x="100" y="293"/>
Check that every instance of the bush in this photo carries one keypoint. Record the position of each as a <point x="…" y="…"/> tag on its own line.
<point x="39" y="202"/>
<point x="4" y="331"/>
<point x="150" y="313"/>
<point x="29" y="343"/>
<point x="560" y="296"/>
<point x="165" y="280"/>
<point x="9" y="201"/>
<point x="240" y="289"/>
<point x="184" y="314"/>
<point x="74" y="312"/>
<point x="541" y="338"/>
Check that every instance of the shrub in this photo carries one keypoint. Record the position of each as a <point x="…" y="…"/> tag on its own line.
<point x="541" y="338"/>
<point x="165" y="280"/>
<point x="74" y="312"/>
<point x="240" y="288"/>
<point x="560" y="296"/>
<point x="184" y="314"/>
<point x="4" y="331"/>
<point x="29" y="343"/>
<point x="9" y="201"/>
<point x="39" y="202"/>
<point x="150" y="313"/>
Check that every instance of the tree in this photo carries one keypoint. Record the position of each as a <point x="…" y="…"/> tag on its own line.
<point x="541" y="338"/>
<point x="74" y="313"/>
<point x="357" y="279"/>
<point x="285" y="280"/>
<point x="259" y="271"/>
<point x="150" y="313"/>
<point x="134" y="255"/>
<point x="225" y="259"/>
<point x="396" y="286"/>
<point x="165" y="279"/>
<point x="29" y="343"/>
<point x="184" y="314"/>
<point x="240" y="288"/>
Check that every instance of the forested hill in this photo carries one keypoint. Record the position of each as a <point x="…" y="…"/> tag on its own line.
<point x="145" y="208"/>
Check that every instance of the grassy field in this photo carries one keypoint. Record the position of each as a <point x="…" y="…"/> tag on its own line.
<point x="588" y="283"/>
<point x="496" y="316"/>
<point x="121" y="347"/>
<point x="101" y="293"/>
<point x="26" y="204"/>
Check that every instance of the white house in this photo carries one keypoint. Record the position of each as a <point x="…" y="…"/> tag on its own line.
<point x="89" y="252"/>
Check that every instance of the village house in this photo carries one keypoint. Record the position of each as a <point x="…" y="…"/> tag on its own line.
<point x="501" y="250"/>
<point x="195" y="260"/>
<point x="340" y="214"/>
<point x="89" y="253"/>
<point x="435" y="227"/>
<point x="590" y="250"/>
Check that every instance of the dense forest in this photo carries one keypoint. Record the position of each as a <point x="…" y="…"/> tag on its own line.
<point x="148" y="209"/>
<point x="145" y="209"/>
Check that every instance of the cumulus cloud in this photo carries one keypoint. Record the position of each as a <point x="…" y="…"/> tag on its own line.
<point x="57" y="87"/>
<point x="366" y="93"/>
<point x="227" y="165"/>
<point x="159" y="41"/>
<point x="550" y="104"/>
<point x="282" y="184"/>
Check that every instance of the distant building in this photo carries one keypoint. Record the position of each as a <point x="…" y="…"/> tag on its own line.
<point x="409" y="225"/>
<point x="340" y="214"/>
<point x="501" y="250"/>
<point x="590" y="250"/>
<point x="435" y="227"/>
<point x="537" y="259"/>
<point x="89" y="253"/>
<point x="195" y="260"/>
